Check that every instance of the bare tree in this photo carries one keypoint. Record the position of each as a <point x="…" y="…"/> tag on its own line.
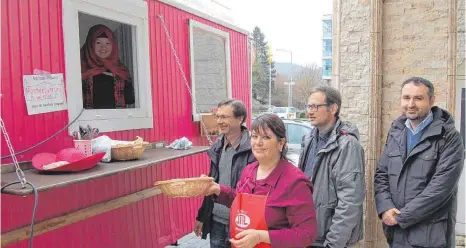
<point x="280" y="91"/>
<point x="309" y="77"/>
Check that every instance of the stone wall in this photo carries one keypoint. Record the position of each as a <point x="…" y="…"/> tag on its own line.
<point x="461" y="46"/>
<point x="415" y="43"/>
<point x="355" y="77"/>
<point x="460" y="241"/>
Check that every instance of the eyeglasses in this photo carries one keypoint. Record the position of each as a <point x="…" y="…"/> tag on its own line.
<point x="222" y="117"/>
<point x="315" y="107"/>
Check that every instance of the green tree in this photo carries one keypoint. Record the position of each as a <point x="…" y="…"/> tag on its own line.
<point x="260" y="68"/>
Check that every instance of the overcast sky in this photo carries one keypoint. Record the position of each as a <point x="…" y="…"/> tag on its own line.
<point x="288" y="24"/>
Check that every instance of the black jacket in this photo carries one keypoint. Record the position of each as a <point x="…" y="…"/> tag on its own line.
<point x="422" y="184"/>
<point x="240" y="160"/>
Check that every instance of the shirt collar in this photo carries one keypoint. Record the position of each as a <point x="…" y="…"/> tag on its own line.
<point x="326" y="134"/>
<point x="235" y="144"/>
<point x="273" y="177"/>
<point x="424" y="124"/>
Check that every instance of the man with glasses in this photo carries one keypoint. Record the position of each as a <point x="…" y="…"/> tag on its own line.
<point x="333" y="159"/>
<point x="230" y="153"/>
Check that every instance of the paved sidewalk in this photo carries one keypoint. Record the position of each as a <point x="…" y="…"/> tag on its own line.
<point x="191" y="241"/>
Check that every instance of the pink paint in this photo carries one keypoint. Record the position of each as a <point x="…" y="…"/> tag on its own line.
<point x="33" y="39"/>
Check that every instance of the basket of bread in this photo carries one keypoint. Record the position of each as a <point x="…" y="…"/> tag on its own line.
<point x="185" y="187"/>
<point x="124" y="151"/>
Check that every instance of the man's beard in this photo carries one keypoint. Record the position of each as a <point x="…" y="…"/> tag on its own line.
<point x="413" y="117"/>
<point x="416" y="116"/>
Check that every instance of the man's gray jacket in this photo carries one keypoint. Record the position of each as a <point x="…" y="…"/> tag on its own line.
<point x="421" y="184"/>
<point x="339" y="188"/>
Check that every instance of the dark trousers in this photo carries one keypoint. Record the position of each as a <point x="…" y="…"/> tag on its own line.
<point x="219" y="235"/>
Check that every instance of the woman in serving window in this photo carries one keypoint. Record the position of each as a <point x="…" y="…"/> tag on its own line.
<point x="106" y="81"/>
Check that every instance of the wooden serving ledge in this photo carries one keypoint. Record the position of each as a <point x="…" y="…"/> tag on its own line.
<point x="45" y="182"/>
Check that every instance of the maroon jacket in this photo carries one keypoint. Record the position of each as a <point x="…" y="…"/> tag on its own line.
<point x="289" y="212"/>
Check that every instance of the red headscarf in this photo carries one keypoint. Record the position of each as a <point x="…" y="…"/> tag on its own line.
<point x="92" y="65"/>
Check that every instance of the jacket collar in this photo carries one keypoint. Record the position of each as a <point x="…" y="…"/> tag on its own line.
<point x="398" y="133"/>
<point x="436" y="127"/>
<point x="334" y="134"/>
<point x="216" y="149"/>
<point x="273" y="177"/>
<point x="422" y="125"/>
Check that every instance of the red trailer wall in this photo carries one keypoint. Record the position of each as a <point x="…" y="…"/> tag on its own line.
<point x="32" y="38"/>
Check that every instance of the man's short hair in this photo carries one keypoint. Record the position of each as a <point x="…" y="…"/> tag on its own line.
<point x="239" y="110"/>
<point x="332" y="96"/>
<point x="418" y="81"/>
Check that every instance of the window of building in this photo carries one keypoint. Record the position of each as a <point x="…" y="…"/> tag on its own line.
<point x="327" y="29"/>
<point x="327" y="68"/>
<point x="210" y="67"/>
<point x="327" y="48"/>
<point x="107" y="63"/>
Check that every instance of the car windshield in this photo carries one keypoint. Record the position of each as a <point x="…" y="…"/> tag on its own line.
<point x="279" y="110"/>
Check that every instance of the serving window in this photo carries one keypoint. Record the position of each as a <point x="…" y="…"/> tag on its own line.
<point x="107" y="63"/>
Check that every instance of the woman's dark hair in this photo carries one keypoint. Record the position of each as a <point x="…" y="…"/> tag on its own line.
<point x="275" y="124"/>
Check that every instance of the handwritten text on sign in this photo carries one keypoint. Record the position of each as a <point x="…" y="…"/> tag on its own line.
<point x="44" y="93"/>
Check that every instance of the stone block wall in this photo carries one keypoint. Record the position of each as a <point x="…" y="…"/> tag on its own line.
<point x="460" y="241"/>
<point x="415" y="43"/>
<point x="461" y="46"/>
<point x="355" y="77"/>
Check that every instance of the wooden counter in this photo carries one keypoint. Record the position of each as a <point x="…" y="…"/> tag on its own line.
<point x="46" y="181"/>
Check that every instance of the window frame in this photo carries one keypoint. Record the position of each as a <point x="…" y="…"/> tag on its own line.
<point x="132" y="12"/>
<point x="327" y="28"/>
<point x="327" y="48"/>
<point x="222" y="34"/>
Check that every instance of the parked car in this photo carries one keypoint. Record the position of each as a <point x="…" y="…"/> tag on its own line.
<point x="295" y="130"/>
<point x="285" y="112"/>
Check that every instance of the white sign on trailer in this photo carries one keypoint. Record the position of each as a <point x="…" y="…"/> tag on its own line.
<point x="44" y="93"/>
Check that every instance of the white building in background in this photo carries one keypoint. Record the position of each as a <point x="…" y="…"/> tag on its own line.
<point x="327" y="47"/>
